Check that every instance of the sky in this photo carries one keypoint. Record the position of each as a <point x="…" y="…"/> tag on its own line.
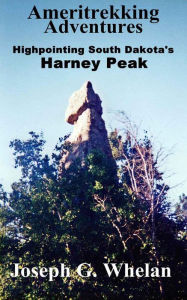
<point x="35" y="99"/>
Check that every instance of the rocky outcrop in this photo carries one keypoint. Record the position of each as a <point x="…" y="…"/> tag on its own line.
<point x="89" y="132"/>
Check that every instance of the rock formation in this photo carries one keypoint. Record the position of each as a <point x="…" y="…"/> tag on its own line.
<point x="85" y="113"/>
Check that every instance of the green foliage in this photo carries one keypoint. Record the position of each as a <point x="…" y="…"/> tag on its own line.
<point x="85" y="214"/>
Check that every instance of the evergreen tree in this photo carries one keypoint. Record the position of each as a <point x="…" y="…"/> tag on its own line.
<point x="86" y="214"/>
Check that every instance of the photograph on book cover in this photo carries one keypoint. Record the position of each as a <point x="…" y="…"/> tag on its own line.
<point x="93" y="184"/>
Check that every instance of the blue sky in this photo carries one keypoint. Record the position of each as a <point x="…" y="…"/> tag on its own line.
<point x="32" y="98"/>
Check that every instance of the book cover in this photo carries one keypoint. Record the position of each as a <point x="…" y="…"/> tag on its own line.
<point x="93" y="149"/>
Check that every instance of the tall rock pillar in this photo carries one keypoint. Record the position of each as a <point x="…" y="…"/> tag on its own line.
<point x="89" y="132"/>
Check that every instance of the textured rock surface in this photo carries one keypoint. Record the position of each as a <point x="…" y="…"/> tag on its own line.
<point x="85" y="113"/>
